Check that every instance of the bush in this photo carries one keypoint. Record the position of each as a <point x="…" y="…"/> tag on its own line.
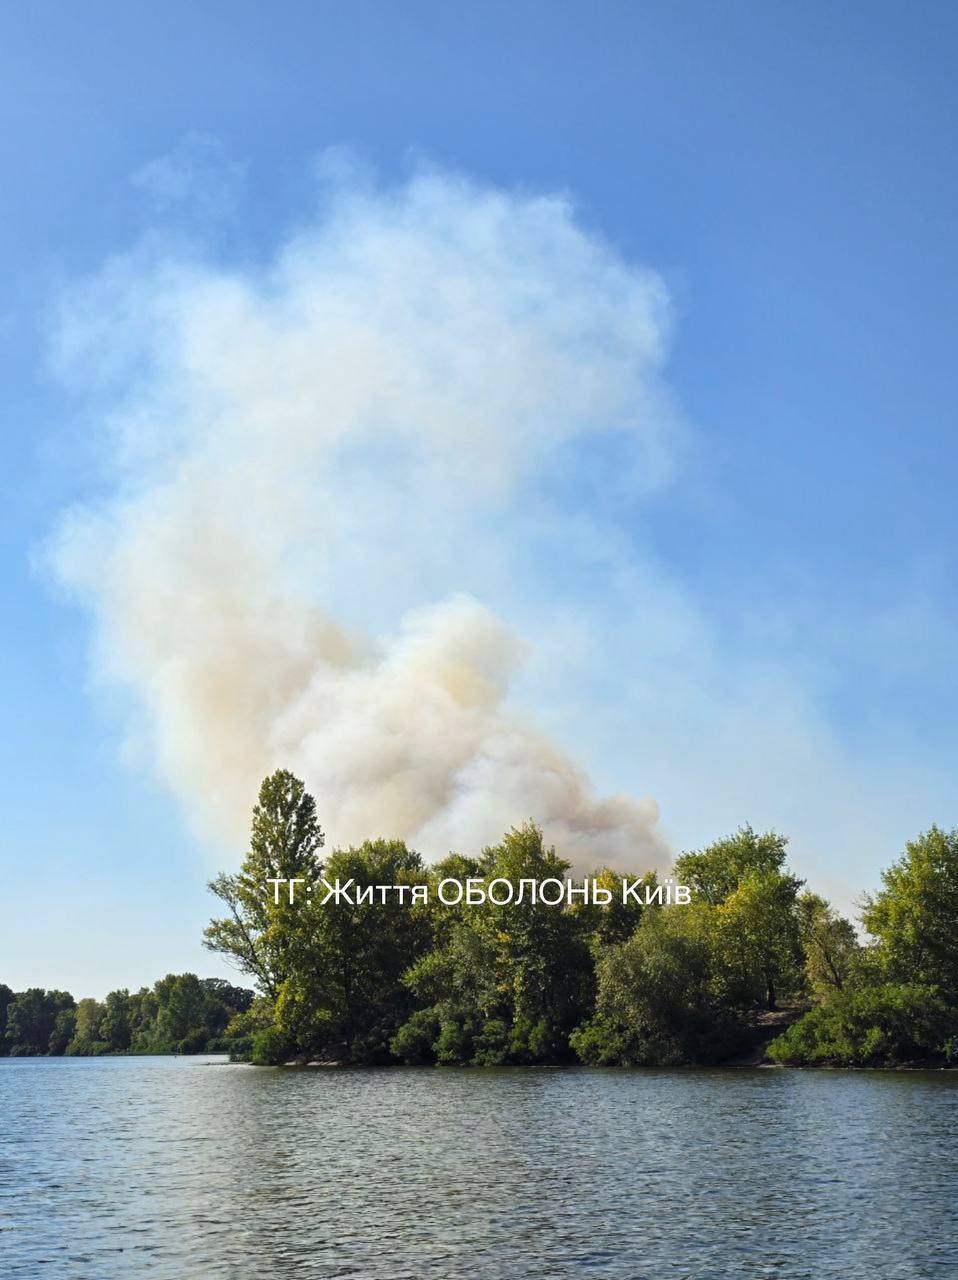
<point x="87" y="1048"/>
<point x="872" y="1026"/>
<point x="271" y="1047"/>
<point x="494" y="1046"/>
<point x="371" y="1048"/>
<point x="415" y="1041"/>
<point x="454" y="1045"/>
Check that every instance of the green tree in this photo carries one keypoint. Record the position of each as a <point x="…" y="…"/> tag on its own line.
<point x="179" y="1023"/>
<point x="115" y="1024"/>
<point x="6" y="999"/>
<point x="258" y="933"/>
<point x="542" y="958"/>
<point x="89" y="1016"/>
<point x="144" y="1010"/>
<point x="87" y="1039"/>
<point x="831" y="948"/>
<point x="186" y="1005"/>
<point x="343" y="995"/>
<point x="240" y="1033"/>
<point x="225" y="1000"/>
<point x="914" y="917"/>
<point x="62" y="1033"/>
<point x="31" y="1018"/>
<point x="507" y="983"/>
<point x="714" y="873"/>
<point x="607" y="924"/>
<point x="455" y="981"/>
<point x="745" y="877"/>
<point x="759" y="927"/>
<point x="658" y="1000"/>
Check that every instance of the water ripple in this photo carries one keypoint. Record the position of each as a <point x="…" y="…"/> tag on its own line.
<point x="165" y="1167"/>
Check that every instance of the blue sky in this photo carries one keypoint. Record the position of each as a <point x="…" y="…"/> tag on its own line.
<point x="788" y="173"/>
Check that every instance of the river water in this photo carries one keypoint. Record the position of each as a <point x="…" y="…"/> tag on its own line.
<point x="189" y="1167"/>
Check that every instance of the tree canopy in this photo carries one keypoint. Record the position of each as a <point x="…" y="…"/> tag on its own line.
<point x="181" y="1013"/>
<point x="610" y="978"/>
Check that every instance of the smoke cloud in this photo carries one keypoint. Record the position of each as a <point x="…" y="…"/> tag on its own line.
<point x="321" y="472"/>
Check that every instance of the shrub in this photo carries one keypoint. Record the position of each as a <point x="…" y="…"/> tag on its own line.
<point x="871" y="1026"/>
<point x="415" y="1041"/>
<point x="87" y="1048"/>
<point x="454" y="1045"/>
<point x="271" y="1047"/>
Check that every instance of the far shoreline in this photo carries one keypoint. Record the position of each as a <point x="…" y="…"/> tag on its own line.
<point x="926" y="1068"/>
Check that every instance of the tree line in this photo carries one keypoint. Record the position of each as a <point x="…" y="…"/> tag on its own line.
<point x="625" y="983"/>
<point x="756" y="965"/>
<point x="181" y="1013"/>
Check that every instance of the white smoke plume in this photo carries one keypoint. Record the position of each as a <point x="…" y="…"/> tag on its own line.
<point x="316" y="464"/>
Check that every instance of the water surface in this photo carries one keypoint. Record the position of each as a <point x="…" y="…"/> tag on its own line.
<point x="175" y="1167"/>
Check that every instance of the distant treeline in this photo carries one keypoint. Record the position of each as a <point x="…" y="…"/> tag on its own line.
<point x="181" y="1014"/>
<point x="626" y="983"/>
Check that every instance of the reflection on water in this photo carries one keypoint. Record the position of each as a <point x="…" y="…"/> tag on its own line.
<point x="185" y="1167"/>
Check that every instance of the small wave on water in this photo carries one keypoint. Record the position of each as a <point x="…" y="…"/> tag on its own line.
<point x="131" y="1167"/>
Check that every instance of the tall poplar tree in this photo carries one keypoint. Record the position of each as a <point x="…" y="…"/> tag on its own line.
<point x="259" y="935"/>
